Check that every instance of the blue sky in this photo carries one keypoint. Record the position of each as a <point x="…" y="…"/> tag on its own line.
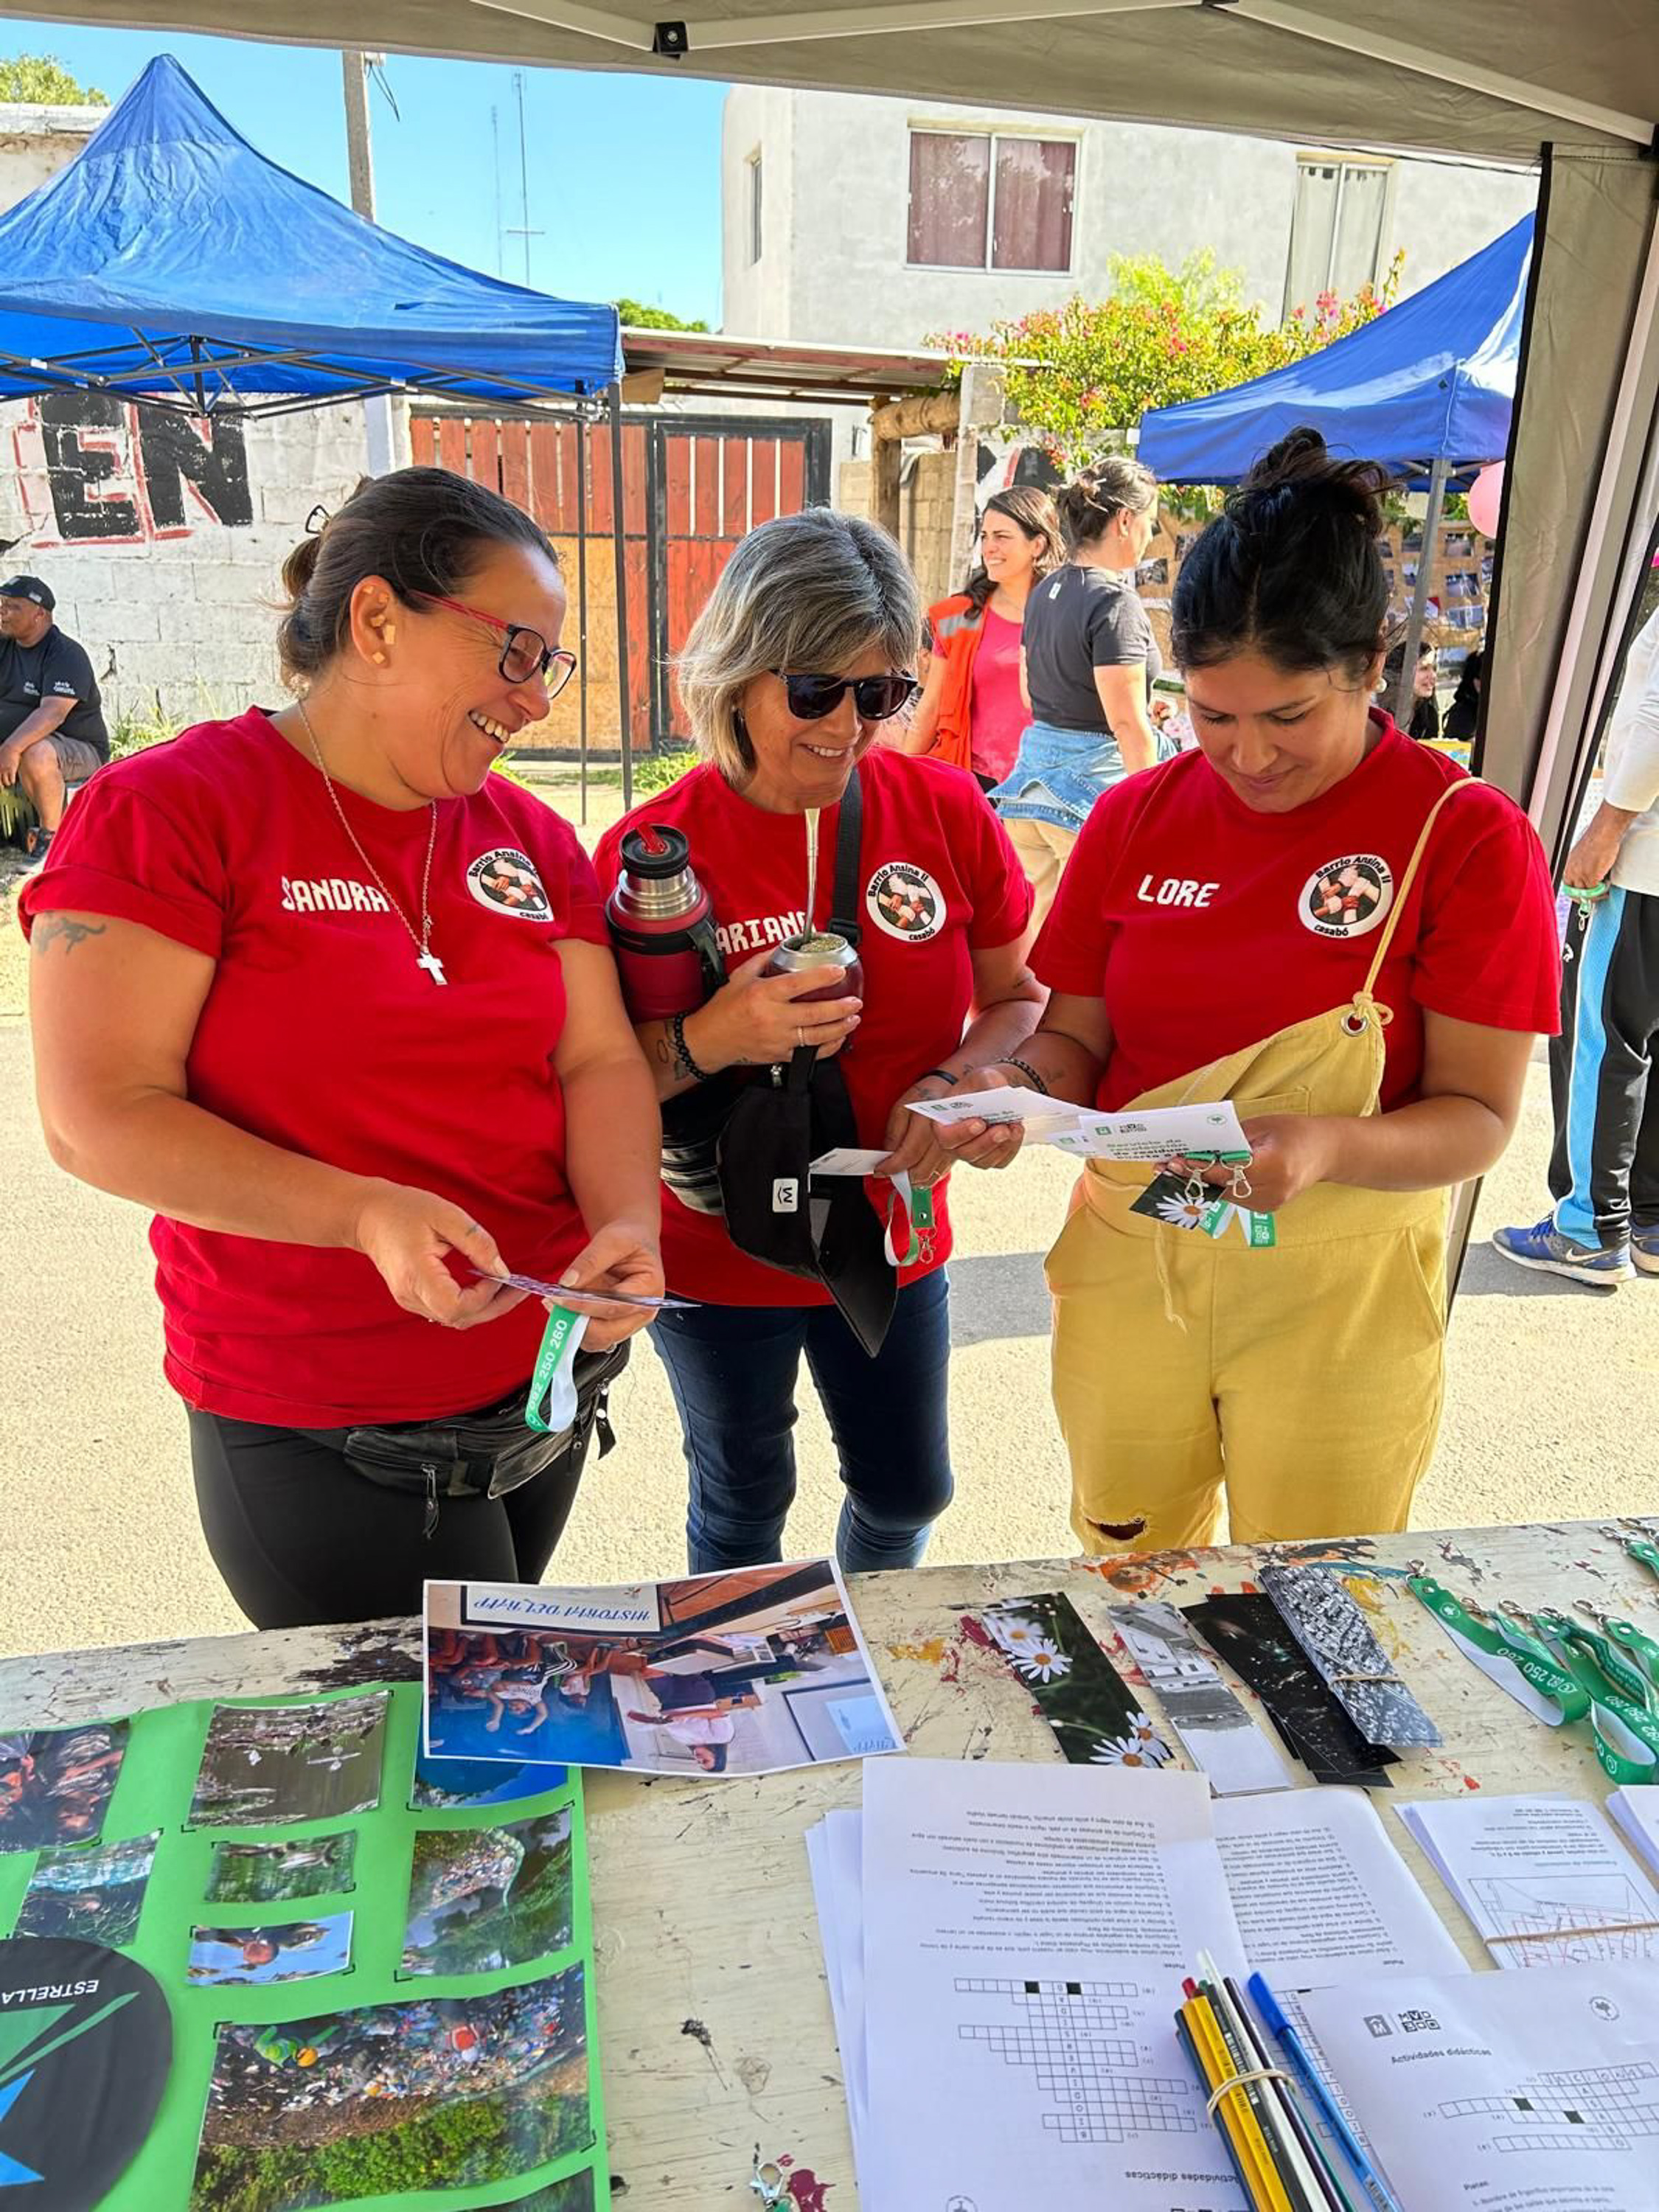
<point x="624" y="171"/>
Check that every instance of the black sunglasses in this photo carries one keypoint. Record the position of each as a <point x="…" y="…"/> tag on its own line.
<point x="878" y="698"/>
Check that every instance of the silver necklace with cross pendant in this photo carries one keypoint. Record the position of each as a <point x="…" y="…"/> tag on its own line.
<point x="424" y="956"/>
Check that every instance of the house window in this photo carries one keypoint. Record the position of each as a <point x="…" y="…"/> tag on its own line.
<point x="1339" y="228"/>
<point x="981" y="201"/>
<point x="755" y="232"/>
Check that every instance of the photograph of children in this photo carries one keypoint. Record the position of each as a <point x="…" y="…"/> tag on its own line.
<point x="320" y="1761"/>
<point x="93" y="1892"/>
<point x="276" y="1873"/>
<point x="483" y="1898"/>
<point x="229" y="1957"/>
<point x="466" y="1785"/>
<point x="438" y="2092"/>
<point x="56" y="1783"/>
<point x="749" y="1671"/>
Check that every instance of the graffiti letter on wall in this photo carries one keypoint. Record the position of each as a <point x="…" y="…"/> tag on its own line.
<point x="119" y="474"/>
<point x="212" y="458"/>
<point x="85" y="435"/>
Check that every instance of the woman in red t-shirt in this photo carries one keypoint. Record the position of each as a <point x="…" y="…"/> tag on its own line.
<point x="800" y="655"/>
<point x="1355" y="942"/>
<point x="339" y="1006"/>
<point x="972" y="708"/>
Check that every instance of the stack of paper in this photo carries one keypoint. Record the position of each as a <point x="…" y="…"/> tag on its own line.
<point x="1544" y="1879"/>
<point x="1636" y="1808"/>
<point x="1153" y="1133"/>
<point x="1006" y="1946"/>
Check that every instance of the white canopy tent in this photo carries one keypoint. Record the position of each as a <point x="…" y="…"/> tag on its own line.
<point x="1571" y="85"/>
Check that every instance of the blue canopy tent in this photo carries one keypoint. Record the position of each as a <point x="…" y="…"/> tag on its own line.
<point x="172" y="265"/>
<point x="169" y="260"/>
<point x="1428" y="389"/>
<point x="1431" y="380"/>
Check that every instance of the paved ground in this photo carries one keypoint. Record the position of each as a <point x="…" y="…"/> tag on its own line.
<point x="1550" y="1411"/>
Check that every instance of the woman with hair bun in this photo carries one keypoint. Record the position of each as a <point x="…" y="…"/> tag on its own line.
<point x="973" y="706"/>
<point x="338" y="1007"/>
<point x="1088" y="665"/>
<point x="1351" y="939"/>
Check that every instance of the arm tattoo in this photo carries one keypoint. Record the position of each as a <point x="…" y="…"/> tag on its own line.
<point x="64" y="926"/>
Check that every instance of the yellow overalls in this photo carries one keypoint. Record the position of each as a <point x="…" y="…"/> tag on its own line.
<point x="1305" y="1377"/>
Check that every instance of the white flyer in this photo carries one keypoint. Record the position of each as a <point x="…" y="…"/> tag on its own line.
<point x="1161" y="1132"/>
<point x="847" y="1160"/>
<point x="1158" y="1133"/>
<point x="1026" y="1928"/>
<point x="1503" y="2092"/>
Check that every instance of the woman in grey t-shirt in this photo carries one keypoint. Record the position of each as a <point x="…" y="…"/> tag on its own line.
<point x="1089" y="662"/>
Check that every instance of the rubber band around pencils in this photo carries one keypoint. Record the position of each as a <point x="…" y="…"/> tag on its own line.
<point x="1243" y="2082"/>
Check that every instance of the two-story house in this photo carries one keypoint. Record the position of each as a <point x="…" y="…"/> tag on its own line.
<point x="864" y="221"/>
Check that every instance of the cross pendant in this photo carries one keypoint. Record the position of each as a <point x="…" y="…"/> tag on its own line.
<point x="433" y="965"/>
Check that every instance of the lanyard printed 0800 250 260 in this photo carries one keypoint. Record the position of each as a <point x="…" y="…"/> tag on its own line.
<point x="1561" y="1671"/>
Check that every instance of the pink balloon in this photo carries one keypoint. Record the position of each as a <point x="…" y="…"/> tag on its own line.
<point x="1487" y="499"/>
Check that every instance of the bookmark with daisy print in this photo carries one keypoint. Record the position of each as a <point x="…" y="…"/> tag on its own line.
<point x="1098" y="1718"/>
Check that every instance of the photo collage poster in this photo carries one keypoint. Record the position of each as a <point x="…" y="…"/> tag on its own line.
<point x="378" y="1968"/>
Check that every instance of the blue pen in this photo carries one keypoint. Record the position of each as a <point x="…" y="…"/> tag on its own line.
<point x="1313" y="2082"/>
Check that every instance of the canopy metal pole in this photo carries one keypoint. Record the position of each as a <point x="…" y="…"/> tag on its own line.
<point x="1402" y="696"/>
<point x="581" y="596"/>
<point x="624" y="716"/>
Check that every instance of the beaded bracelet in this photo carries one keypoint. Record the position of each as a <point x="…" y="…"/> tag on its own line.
<point x="685" y="1064"/>
<point x="1029" y="1072"/>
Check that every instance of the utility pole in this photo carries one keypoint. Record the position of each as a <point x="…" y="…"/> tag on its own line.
<point x="378" y="423"/>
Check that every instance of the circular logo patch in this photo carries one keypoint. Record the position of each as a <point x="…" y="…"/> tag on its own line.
<point x="1346" y="897"/>
<point x="506" y="881"/>
<point x="85" y="2042"/>
<point x="905" y="902"/>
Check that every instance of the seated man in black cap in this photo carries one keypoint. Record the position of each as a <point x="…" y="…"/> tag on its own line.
<point x="52" y="721"/>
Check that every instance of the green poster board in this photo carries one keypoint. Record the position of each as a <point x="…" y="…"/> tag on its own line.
<point x="451" y="2063"/>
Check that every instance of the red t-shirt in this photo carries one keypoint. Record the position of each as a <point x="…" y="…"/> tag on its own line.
<point x="999" y="712"/>
<point x="939" y="881"/>
<point x="1205" y="927"/>
<point x="320" y="1034"/>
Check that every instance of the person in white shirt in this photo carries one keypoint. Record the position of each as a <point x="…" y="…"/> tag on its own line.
<point x="1604" y="1171"/>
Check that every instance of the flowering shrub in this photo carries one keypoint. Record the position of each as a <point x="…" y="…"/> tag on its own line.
<point x="1082" y="375"/>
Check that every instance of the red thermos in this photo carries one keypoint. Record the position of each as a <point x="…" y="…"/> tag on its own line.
<point x="662" y="927"/>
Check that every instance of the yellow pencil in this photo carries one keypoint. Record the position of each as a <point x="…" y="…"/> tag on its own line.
<point x="1243" y="2129"/>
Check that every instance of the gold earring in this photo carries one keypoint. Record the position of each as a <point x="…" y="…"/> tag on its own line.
<point x="379" y="658"/>
<point x="389" y="632"/>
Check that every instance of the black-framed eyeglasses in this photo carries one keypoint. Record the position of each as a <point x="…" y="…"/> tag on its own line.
<point x="878" y="698"/>
<point x="524" y="653"/>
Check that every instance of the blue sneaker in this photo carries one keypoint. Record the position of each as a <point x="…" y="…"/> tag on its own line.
<point x="1644" y="1249"/>
<point x="1545" y="1247"/>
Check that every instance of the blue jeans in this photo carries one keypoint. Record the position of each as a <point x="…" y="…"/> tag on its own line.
<point x="732" y="1370"/>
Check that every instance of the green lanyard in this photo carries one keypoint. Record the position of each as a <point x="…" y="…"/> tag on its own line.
<point x="552" y="1405"/>
<point x="1505" y="1642"/>
<point x="1623" y="1721"/>
<point x="915" y="1202"/>
<point x="1644" y="1549"/>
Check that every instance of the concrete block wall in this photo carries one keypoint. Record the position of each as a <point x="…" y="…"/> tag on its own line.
<point x="926" y="503"/>
<point x="165" y="547"/>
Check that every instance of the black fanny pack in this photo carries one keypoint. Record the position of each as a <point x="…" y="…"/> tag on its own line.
<point x="828" y="1233"/>
<point x="486" y="1453"/>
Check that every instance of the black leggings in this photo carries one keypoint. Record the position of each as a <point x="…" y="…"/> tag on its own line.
<point x="302" y="1541"/>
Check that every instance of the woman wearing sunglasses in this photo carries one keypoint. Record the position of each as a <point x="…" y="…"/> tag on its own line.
<point x="801" y="656"/>
<point x="271" y="960"/>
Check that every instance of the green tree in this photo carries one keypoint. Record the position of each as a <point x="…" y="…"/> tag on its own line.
<point x="636" y="316"/>
<point x="41" y="80"/>
<point x="1082" y="375"/>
